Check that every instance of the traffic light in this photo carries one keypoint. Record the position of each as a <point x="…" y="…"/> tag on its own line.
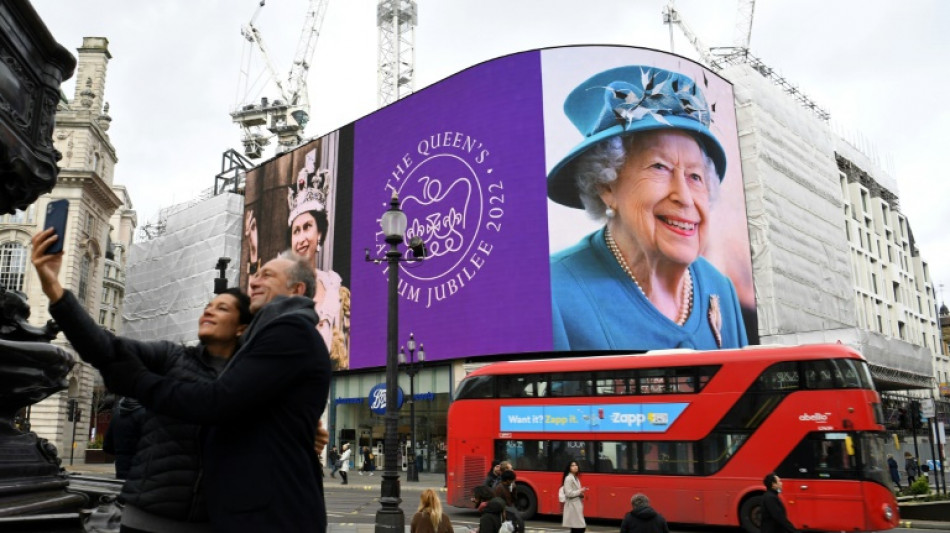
<point x="916" y="419"/>
<point x="71" y="406"/>
<point x="903" y="421"/>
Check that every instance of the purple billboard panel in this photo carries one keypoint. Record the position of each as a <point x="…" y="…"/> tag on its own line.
<point x="466" y="157"/>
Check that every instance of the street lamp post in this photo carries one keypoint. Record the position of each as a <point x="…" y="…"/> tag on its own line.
<point x="412" y="368"/>
<point x="389" y="517"/>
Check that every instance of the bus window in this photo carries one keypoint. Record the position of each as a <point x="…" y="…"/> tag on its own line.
<point x="853" y="374"/>
<point x="653" y="381"/>
<point x="682" y="380"/>
<point x="523" y="454"/>
<point x="718" y="448"/>
<point x="617" y="457"/>
<point x="570" y="384"/>
<point x="476" y="387"/>
<point x="615" y="383"/>
<point x="512" y="386"/>
<point x="820" y="456"/>
<point x="819" y="374"/>
<point x="778" y="377"/>
<point x="565" y="451"/>
<point x="667" y="457"/>
<point x="706" y="373"/>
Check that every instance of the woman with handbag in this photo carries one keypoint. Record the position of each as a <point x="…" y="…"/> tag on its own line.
<point x="573" y="499"/>
<point x="429" y="517"/>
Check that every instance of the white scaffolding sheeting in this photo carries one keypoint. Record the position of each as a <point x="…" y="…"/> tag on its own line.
<point x="171" y="278"/>
<point x="801" y="255"/>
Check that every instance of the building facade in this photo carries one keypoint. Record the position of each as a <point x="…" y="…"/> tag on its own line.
<point x="98" y="209"/>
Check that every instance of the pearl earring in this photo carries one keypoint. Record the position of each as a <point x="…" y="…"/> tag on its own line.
<point x="610" y="212"/>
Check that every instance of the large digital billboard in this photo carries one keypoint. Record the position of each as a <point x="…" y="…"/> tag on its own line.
<point x="584" y="198"/>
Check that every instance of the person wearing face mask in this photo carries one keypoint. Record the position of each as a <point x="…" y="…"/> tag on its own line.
<point x="774" y="518"/>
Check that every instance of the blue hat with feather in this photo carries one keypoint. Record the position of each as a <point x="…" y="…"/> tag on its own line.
<point x="626" y="100"/>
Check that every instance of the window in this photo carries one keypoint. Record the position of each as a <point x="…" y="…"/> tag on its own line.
<point x="102" y="317"/>
<point x="718" y="448"/>
<point x="523" y="454"/>
<point x="666" y="457"/>
<point x="615" y="383"/>
<point x="84" y="268"/>
<point x="476" y="387"/>
<point x="570" y="384"/>
<point x="515" y="386"/>
<point x="821" y="456"/>
<point x="618" y="457"/>
<point x="12" y="265"/>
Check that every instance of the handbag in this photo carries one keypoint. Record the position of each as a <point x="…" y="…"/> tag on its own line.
<point x="507" y="527"/>
<point x="561" y="496"/>
<point x="338" y="463"/>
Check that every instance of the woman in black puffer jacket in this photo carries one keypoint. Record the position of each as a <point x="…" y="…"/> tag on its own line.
<point x="163" y="490"/>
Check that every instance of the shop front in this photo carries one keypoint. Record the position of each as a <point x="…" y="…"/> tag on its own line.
<point x="354" y="421"/>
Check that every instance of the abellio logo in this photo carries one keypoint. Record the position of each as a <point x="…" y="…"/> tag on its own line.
<point x="455" y="204"/>
<point x="818" y="418"/>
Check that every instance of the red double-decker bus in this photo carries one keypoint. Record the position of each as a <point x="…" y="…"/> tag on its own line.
<point x="695" y="431"/>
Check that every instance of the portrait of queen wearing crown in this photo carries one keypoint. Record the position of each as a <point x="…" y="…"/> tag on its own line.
<point x="308" y="225"/>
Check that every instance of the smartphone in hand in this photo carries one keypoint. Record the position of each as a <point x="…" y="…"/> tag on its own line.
<point x="56" y="215"/>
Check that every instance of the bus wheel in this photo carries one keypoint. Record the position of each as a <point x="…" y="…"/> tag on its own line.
<point x="750" y="514"/>
<point x="526" y="502"/>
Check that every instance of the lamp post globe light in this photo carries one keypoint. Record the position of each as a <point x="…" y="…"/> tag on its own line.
<point x="413" y="366"/>
<point x="389" y="517"/>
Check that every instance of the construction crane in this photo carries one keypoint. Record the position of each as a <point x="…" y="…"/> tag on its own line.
<point x="396" y="56"/>
<point x="718" y="58"/>
<point x="286" y="116"/>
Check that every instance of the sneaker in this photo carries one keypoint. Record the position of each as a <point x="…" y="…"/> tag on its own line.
<point x="370" y="473"/>
<point x="361" y="473"/>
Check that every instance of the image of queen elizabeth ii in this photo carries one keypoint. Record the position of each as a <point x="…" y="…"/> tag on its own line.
<point x="649" y="170"/>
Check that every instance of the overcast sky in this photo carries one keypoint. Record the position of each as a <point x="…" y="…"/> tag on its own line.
<point x="878" y="66"/>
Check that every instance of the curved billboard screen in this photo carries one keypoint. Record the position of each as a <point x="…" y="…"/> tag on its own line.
<point x="583" y="198"/>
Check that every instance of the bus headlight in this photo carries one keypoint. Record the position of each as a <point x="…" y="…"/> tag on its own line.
<point x="888" y="512"/>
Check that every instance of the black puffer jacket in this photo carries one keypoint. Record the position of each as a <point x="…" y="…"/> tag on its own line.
<point x="492" y="515"/>
<point x="122" y="438"/>
<point x="644" y="520"/>
<point x="166" y="471"/>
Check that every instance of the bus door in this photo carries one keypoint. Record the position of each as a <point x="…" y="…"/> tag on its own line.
<point x="820" y="481"/>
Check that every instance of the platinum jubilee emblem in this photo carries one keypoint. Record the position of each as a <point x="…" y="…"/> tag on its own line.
<point x="455" y="205"/>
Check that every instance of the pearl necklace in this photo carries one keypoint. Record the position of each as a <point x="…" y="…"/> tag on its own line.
<point x="686" y="298"/>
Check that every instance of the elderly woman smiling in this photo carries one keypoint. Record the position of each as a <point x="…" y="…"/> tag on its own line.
<point x="650" y="169"/>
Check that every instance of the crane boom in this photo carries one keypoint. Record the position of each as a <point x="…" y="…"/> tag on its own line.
<point x="297" y="80"/>
<point x="744" y="15"/>
<point x="672" y="16"/>
<point x="287" y="116"/>
<point x="252" y="34"/>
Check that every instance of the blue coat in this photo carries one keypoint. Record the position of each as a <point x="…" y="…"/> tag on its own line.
<point x="596" y="306"/>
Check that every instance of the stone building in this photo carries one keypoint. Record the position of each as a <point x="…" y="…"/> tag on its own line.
<point x="99" y="230"/>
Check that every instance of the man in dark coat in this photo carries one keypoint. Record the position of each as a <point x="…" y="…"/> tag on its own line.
<point x="642" y="518"/>
<point x="122" y="437"/>
<point x="774" y="519"/>
<point x="262" y="413"/>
